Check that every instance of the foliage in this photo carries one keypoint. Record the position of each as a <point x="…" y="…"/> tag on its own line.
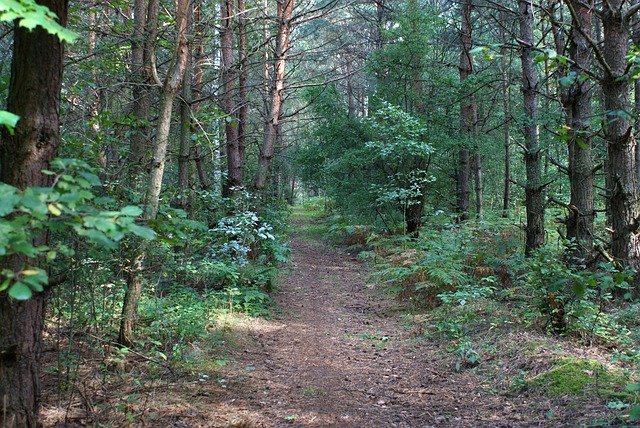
<point x="30" y="15"/>
<point x="69" y="204"/>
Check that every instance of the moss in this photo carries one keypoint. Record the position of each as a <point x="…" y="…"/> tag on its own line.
<point x="571" y="376"/>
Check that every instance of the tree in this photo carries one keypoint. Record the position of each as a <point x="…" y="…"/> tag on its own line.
<point x="34" y="95"/>
<point x="170" y="88"/>
<point x="468" y="114"/>
<point x="533" y="187"/>
<point x="622" y="191"/>
<point x="272" y="123"/>
<point x="580" y="228"/>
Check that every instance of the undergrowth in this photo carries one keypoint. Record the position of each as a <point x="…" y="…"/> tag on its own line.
<point x="520" y="323"/>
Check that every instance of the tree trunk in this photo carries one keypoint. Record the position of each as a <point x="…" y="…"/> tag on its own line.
<point x="506" y="106"/>
<point x="285" y="11"/>
<point x="34" y="95"/>
<point x="228" y="80"/>
<point x="145" y="18"/>
<point x="243" y="108"/>
<point x="467" y="114"/>
<point x="170" y="89"/>
<point x="533" y="187"/>
<point x="581" y="175"/>
<point x="621" y="145"/>
<point x="184" y="152"/>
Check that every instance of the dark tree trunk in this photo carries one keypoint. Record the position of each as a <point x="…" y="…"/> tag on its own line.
<point x="34" y="95"/>
<point x="506" y="106"/>
<point x="413" y="217"/>
<point x="621" y="145"/>
<point x="228" y="82"/>
<point x="581" y="175"/>
<point x="533" y="187"/>
<point x="467" y="114"/>
<point x="142" y="43"/>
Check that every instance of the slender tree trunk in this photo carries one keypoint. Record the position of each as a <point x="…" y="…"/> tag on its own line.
<point x="284" y="13"/>
<point x="477" y="178"/>
<point x="34" y="95"/>
<point x="506" y="106"/>
<point x="228" y="77"/>
<point x="621" y="145"/>
<point x="243" y="108"/>
<point x="533" y="187"/>
<point x="581" y="175"/>
<point x="184" y="151"/>
<point x="170" y="89"/>
<point x="467" y="114"/>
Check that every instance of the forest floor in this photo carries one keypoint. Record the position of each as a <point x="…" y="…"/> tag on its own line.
<point x="339" y="352"/>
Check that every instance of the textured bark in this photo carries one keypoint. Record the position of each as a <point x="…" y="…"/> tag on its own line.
<point x="578" y="103"/>
<point x="467" y="114"/>
<point x="533" y="187"/>
<point x="145" y="17"/>
<point x="284" y="12"/>
<point x="228" y="82"/>
<point x="621" y="145"/>
<point x="34" y="95"/>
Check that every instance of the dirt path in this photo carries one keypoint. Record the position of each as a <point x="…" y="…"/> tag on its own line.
<point x="339" y="356"/>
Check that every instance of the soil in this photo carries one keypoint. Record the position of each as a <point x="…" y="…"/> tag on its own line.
<point x="337" y="354"/>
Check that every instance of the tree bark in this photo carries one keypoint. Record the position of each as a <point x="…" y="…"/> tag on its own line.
<point x="533" y="187"/>
<point x="467" y="114"/>
<point x="284" y="13"/>
<point x="34" y="95"/>
<point x="622" y="191"/>
<point x="184" y="151"/>
<point x="506" y="106"/>
<point x="145" y="14"/>
<point x="581" y="176"/>
<point x="228" y="81"/>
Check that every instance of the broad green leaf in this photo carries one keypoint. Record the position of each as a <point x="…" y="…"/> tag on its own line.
<point x="143" y="232"/>
<point x="131" y="210"/>
<point x="20" y="291"/>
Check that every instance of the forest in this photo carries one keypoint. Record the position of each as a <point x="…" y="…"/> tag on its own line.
<point x="323" y="213"/>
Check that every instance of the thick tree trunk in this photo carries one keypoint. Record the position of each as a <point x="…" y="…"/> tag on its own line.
<point x="533" y="187"/>
<point x="228" y="82"/>
<point x="467" y="114"/>
<point x="285" y="11"/>
<point x="581" y="175"/>
<point x="621" y="145"/>
<point x="34" y="95"/>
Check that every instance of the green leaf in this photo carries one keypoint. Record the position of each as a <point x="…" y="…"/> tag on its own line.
<point x="20" y="291"/>
<point x="9" y="120"/>
<point x="143" y="232"/>
<point x="131" y="210"/>
<point x="634" y="414"/>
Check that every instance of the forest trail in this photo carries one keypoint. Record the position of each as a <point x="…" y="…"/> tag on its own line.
<point x="338" y="355"/>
